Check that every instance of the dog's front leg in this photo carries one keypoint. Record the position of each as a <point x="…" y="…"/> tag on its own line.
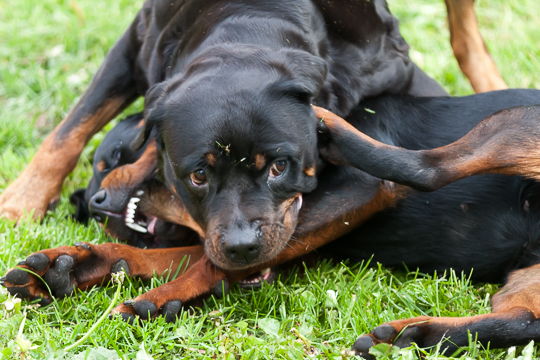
<point x="82" y="266"/>
<point x="113" y="88"/>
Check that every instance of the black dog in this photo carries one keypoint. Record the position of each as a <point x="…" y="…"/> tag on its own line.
<point x="251" y="65"/>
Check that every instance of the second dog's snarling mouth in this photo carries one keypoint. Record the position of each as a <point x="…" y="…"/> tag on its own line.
<point x="142" y="229"/>
<point x="136" y="220"/>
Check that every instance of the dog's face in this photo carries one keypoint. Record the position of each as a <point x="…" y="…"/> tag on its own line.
<point x="239" y="147"/>
<point x="124" y="194"/>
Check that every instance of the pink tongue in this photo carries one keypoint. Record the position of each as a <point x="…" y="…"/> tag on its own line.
<point x="151" y="224"/>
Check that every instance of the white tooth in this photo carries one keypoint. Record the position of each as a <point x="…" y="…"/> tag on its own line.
<point x="132" y="206"/>
<point x="134" y="200"/>
<point x="265" y="271"/>
<point x="139" y="193"/>
<point x="142" y="223"/>
<point x="130" y="220"/>
<point x="131" y="211"/>
<point x="130" y="216"/>
<point x="136" y="227"/>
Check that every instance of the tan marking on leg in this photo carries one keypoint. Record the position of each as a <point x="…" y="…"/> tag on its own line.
<point x="470" y="49"/>
<point x="40" y="183"/>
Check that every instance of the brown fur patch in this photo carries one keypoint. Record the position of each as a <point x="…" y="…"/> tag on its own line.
<point x="469" y="48"/>
<point x="210" y="159"/>
<point x="310" y="171"/>
<point x="260" y="161"/>
<point x="101" y="166"/>
<point x="131" y="175"/>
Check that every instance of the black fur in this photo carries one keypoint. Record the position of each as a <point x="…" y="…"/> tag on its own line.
<point x="478" y="223"/>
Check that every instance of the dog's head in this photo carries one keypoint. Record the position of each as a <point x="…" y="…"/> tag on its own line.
<point x="113" y="152"/>
<point x="239" y="146"/>
<point x="125" y="195"/>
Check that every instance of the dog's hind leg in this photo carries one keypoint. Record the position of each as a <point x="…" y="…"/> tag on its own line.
<point x="113" y="88"/>
<point x="514" y="321"/>
<point x="504" y="143"/>
<point x="469" y="47"/>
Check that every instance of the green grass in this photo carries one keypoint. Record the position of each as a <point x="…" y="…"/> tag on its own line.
<point x="48" y="52"/>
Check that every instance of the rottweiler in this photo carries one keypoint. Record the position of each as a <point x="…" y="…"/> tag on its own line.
<point x="250" y="64"/>
<point x="490" y="221"/>
<point x="120" y="178"/>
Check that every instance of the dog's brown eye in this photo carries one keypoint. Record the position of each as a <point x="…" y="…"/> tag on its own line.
<point x="278" y="168"/>
<point x="198" y="178"/>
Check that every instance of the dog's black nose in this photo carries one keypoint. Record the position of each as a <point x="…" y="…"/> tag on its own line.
<point x="99" y="205"/>
<point x="243" y="245"/>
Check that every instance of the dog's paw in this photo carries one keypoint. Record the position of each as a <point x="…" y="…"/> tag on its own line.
<point x="165" y="301"/>
<point x="61" y="270"/>
<point x="400" y="333"/>
<point x="146" y="310"/>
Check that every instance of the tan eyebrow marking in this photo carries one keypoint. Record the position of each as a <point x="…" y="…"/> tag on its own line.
<point x="101" y="166"/>
<point x="260" y="161"/>
<point x="310" y="171"/>
<point x="210" y="159"/>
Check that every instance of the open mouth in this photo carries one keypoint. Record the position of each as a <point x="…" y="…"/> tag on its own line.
<point x="137" y="220"/>
<point x="256" y="280"/>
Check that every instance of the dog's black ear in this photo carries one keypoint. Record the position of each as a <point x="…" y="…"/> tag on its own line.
<point x="82" y="214"/>
<point x="151" y="118"/>
<point x="308" y="73"/>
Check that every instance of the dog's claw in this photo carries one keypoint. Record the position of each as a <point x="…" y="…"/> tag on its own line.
<point x="145" y="309"/>
<point x="22" y="262"/>
<point x="171" y="309"/>
<point x="3" y="278"/>
<point x="37" y="261"/>
<point x="17" y="277"/>
<point x="128" y="302"/>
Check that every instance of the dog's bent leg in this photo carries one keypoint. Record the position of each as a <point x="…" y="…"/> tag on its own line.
<point x="84" y="265"/>
<point x="469" y="47"/>
<point x="514" y="321"/>
<point x="113" y="88"/>
<point x="504" y="143"/>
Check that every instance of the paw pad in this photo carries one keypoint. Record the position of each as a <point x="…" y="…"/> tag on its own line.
<point x="58" y="276"/>
<point x="145" y="309"/>
<point x="38" y="261"/>
<point x="171" y="309"/>
<point x="384" y="332"/>
<point x="17" y="277"/>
